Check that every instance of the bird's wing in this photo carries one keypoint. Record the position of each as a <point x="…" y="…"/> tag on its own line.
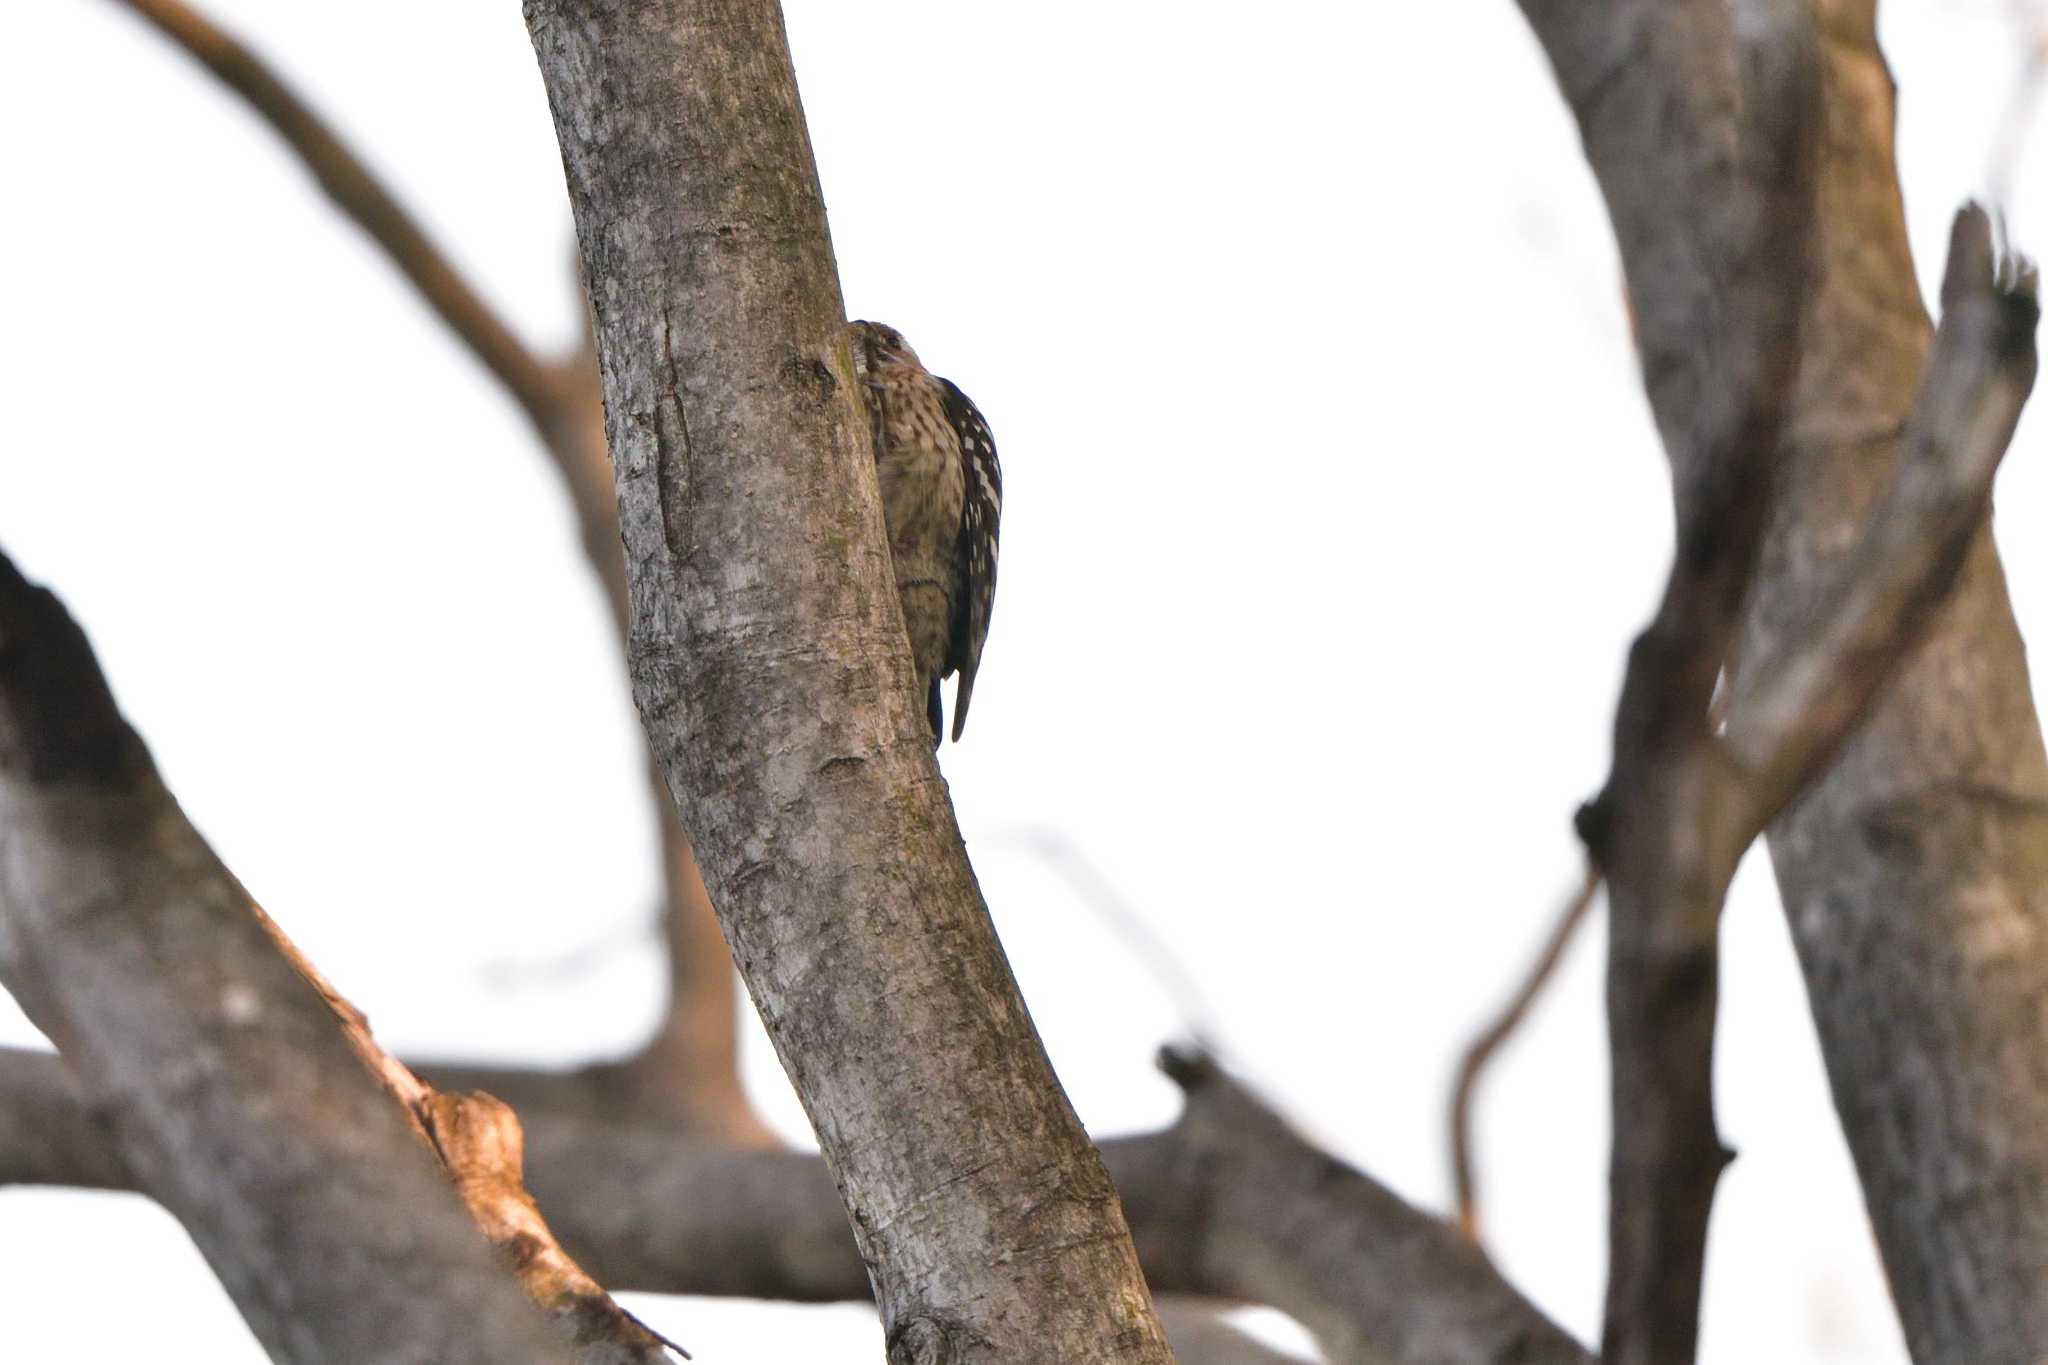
<point x="981" y="515"/>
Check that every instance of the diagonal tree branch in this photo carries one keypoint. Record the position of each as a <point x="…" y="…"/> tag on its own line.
<point x="480" y="1145"/>
<point x="1796" y="709"/>
<point x="225" y="1070"/>
<point x="1278" y="1222"/>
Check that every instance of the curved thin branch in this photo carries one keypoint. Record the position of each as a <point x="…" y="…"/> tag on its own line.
<point x="559" y="397"/>
<point x="535" y="384"/>
<point x="1481" y="1050"/>
<point x="1061" y="853"/>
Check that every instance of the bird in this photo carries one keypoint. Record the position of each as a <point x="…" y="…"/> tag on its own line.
<point x="942" y="497"/>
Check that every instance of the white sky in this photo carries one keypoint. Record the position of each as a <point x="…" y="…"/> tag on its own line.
<point x="1332" y="503"/>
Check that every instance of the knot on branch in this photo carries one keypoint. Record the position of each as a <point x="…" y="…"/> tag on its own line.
<point x="1593" y="822"/>
<point x="933" y="1338"/>
<point x="479" y="1136"/>
<point x="811" y="378"/>
<point x="1188" y="1066"/>
<point x="483" y="1147"/>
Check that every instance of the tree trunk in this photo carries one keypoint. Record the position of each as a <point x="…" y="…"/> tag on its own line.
<point x="1912" y="873"/>
<point x="770" y="666"/>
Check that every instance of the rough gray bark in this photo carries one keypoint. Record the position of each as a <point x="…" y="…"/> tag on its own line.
<point x="1912" y="873"/>
<point x="213" y="1067"/>
<point x="769" y="662"/>
<point x="1227" y="1203"/>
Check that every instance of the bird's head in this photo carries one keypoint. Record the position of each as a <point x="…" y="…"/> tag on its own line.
<point x="882" y="345"/>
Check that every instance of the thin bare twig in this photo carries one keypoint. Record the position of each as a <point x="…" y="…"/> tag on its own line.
<point x="1064" y="855"/>
<point x="349" y="183"/>
<point x="560" y="397"/>
<point x="1481" y="1050"/>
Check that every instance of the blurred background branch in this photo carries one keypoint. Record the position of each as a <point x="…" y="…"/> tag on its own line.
<point x="688" y="1074"/>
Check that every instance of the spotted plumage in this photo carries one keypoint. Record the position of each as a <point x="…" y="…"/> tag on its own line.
<point x="942" y="496"/>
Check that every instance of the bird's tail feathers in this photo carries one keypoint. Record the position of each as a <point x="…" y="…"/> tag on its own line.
<point x="935" y="712"/>
<point x="962" y="694"/>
